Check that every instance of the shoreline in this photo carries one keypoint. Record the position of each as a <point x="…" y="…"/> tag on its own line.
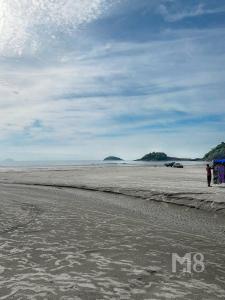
<point x="185" y="187"/>
<point x="91" y="163"/>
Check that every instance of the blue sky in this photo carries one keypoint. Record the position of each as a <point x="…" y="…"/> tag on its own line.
<point x="83" y="79"/>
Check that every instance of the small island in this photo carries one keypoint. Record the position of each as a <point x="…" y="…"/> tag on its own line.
<point x="161" y="156"/>
<point x="9" y="160"/>
<point x="114" y="158"/>
<point x="155" y="156"/>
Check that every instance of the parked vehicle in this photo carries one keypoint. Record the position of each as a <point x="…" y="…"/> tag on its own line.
<point x="177" y="165"/>
<point x="170" y="164"/>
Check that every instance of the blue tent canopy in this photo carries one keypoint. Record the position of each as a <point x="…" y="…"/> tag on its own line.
<point x="219" y="161"/>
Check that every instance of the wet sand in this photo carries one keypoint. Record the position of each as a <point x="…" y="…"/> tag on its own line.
<point x="67" y="243"/>
<point x="187" y="187"/>
<point x="73" y="244"/>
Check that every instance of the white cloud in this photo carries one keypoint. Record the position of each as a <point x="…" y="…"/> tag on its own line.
<point x="167" y="76"/>
<point x="25" y="24"/>
<point x="198" y="10"/>
<point x="78" y="97"/>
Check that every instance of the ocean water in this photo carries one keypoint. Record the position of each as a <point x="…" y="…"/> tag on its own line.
<point x="61" y="164"/>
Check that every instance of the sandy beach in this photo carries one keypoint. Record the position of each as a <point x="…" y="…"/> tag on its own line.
<point x="186" y="186"/>
<point x="96" y="233"/>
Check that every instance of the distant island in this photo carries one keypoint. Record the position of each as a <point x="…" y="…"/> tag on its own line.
<point x="217" y="152"/>
<point x="112" y="158"/>
<point x="161" y="156"/>
<point x="155" y="156"/>
<point x="9" y="160"/>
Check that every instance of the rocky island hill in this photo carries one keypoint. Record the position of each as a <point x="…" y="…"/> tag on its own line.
<point x="115" y="158"/>
<point x="161" y="156"/>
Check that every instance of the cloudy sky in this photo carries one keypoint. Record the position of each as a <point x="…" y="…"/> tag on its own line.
<point x="83" y="79"/>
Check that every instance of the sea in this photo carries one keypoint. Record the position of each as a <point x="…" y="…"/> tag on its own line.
<point x="65" y="164"/>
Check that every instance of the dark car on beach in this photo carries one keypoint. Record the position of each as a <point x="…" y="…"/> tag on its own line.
<point x="178" y="165"/>
<point x="170" y="164"/>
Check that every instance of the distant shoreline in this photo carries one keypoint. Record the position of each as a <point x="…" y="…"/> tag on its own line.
<point x="67" y="165"/>
<point x="173" y="159"/>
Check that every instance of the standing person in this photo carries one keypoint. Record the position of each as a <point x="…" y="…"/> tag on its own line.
<point x="209" y="174"/>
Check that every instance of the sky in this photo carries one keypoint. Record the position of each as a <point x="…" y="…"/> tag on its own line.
<point x="84" y="79"/>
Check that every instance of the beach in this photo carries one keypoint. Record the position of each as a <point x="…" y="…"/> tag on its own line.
<point x="187" y="186"/>
<point x="108" y="232"/>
